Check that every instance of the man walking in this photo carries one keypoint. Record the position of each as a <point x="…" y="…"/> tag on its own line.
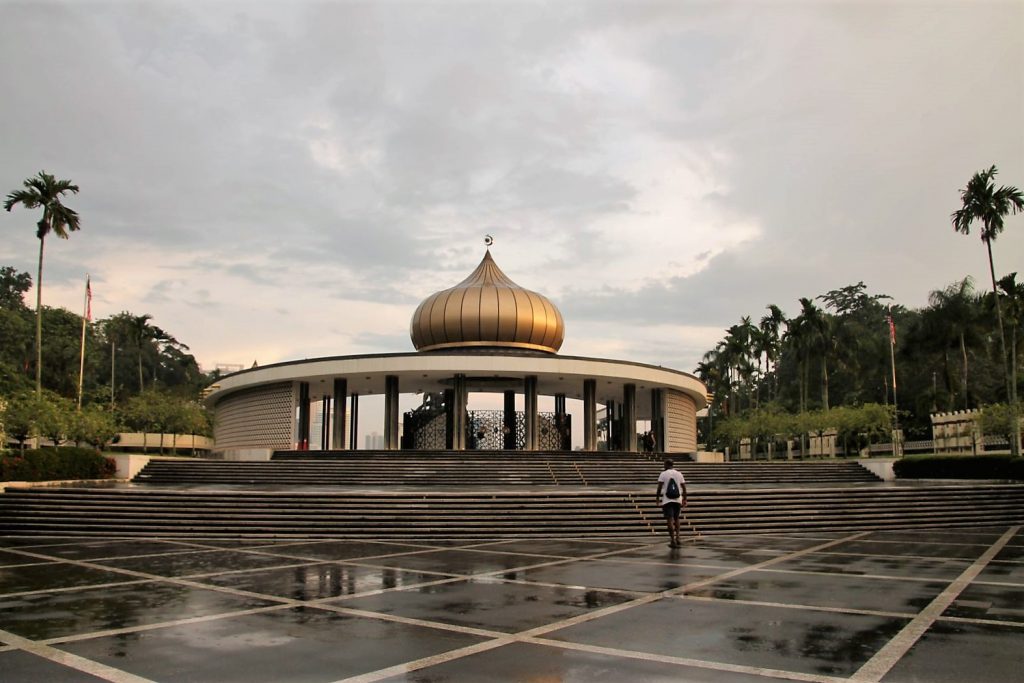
<point x="673" y="500"/>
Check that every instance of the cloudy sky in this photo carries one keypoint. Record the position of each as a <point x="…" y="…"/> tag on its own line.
<point x="287" y="180"/>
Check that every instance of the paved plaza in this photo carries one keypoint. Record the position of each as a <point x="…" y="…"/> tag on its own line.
<point x="944" y="605"/>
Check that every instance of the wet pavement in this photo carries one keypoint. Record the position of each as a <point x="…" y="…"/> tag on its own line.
<point x="937" y="605"/>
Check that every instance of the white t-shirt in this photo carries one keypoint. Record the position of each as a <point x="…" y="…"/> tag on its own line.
<point x="663" y="480"/>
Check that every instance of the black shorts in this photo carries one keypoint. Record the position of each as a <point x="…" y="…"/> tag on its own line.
<point x="671" y="510"/>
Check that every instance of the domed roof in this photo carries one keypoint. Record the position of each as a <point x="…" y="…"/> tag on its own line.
<point x="487" y="309"/>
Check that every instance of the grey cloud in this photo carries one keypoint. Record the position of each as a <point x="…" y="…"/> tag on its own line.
<point x="385" y="343"/>
<point x="843" y="131"/>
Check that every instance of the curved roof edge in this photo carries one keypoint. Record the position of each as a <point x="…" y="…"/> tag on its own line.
<point x="427" y="368"/>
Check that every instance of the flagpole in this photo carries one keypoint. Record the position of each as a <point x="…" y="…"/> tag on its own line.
<point x="86" y="314"/>
<point x="895" y="410"/>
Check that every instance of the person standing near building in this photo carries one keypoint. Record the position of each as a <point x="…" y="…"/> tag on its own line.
<point x="672" y="500"/>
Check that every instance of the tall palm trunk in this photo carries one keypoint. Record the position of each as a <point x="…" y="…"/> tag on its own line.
<point x="963" y="358"/>
<point x="39" y="317"/>
<point x="803" y="385"/>
<point x="1010" y="388"/>
<point x="1013" y="386"/>
<point x="947" y="377"/>
<point x="824" y="382"/>
<point x="113" y="348"/>
<point x="775" y="377"/>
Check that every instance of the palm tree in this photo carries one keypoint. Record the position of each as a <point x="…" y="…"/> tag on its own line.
<point x="811" y="333"/>
<point x="1014" y="293"/>
<point x="957" y="308"/>
<point x="823" y="337"/>
<point x="709" y="370"/>
<point x="43" y="190"/>
<point x="735" y="352"/>
<point x="748" y="333"/>
<point x="759" y="350"/>
<point x="116" y="329"/>
<point x="771" y="329"/>
<point x="981" y="201"/>
<point x="142" y="333"/>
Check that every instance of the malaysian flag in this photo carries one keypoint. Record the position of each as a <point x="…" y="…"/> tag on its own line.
<point x="892" y="328"/>
<point x="88" y="299"/>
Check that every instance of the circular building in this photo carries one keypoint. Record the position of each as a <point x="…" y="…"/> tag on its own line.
<point x="484" y="335"/>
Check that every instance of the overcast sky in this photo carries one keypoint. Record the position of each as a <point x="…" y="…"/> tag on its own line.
<point x="288" y="180"/>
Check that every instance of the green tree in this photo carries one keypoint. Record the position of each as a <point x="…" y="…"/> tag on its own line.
<point x="981" y="201"/>
<point x="13" y="287"/>
<point x="27" y="415"/>
<point x="809" y="334"/>
<point x="144" y="413"/>
<point x="141" y="333"/>
<point x="185" y="416"/>
<point x="15" y="350"/>
<point x="44" y="191"/>
<point x="1001" y="419"/>
<point x="957" y="308"/>
<point x="116" y="333"/>
<point x="93" y="425"/>
<point x="15" y="331"/>
<point x="20" y="416"/>
<point x="53" y="419"/>
<point x="1012" y="293"/>
<point x="771" y="342"/>
<point x="860" y="350"/>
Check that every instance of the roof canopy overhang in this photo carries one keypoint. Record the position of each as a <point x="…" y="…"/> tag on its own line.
<point x="485" y="372"/>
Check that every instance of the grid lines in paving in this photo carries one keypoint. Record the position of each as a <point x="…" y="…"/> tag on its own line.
<point x="861" y="607"/>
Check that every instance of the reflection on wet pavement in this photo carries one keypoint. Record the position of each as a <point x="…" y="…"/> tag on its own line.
<point x="717" y="609"/>
<point x="771" y="637"/>
<point x="818" y="590"/>
<point x="195" y="562"/>
<point x="313" y="582"/>
<point x="54" y="575"/>
<point x="52" y="615"/>
<point x="489" y="604"/>
<point x="954" y="653"/>
<point x="285" y="645"/>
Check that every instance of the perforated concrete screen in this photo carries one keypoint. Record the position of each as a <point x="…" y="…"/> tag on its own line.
<point x="260" y="417"/>
<point x="680" y="423"/>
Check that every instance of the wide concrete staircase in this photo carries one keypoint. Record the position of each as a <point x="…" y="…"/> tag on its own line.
<point x="161" y="512"/>
<point x="390" y="494"/>
<point x="491" y="469"/>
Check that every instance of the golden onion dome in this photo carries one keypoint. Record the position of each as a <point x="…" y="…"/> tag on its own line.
<point x="487" y="309"/>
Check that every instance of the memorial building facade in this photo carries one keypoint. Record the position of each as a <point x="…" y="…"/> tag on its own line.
<point x="484" y="335"/>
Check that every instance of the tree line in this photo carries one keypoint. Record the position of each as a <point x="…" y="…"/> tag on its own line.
<point x="131" y="374"/>
<point x="137" y="376"/>
<point x="961" y="351"/>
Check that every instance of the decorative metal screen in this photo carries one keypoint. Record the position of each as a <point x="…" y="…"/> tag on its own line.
<point x="429" y="434"/>
<point x="552" y="434"/>
<point x="485" y="431"/>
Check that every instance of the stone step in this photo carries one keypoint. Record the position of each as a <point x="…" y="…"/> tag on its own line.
<point x="445" y="531"/>
<point x="82" y="511"/>
<point x="382" y="470"/>
<point x="700" y="496"/>
<point x="455" y="512"/>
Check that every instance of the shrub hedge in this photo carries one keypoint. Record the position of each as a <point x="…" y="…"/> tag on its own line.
<point x="47" y="464"/>
<point x="959" y="467"/>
